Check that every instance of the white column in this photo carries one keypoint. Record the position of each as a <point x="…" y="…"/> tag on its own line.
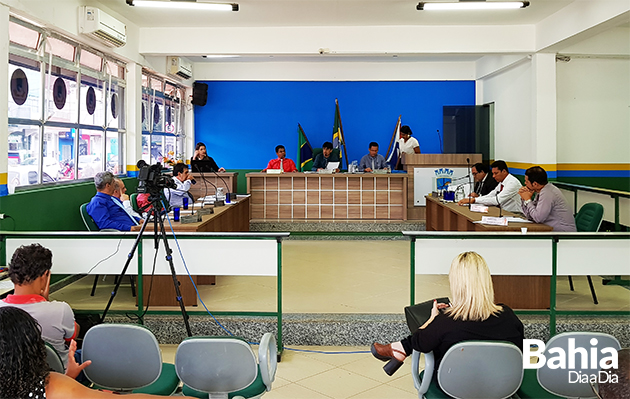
<point x="4" y="99"/>
<point x="133" y="144"/>
<point x="544" y="111"/>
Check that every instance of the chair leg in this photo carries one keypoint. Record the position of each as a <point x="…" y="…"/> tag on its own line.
<point x="94" y="285"/>
<point x="590" y="284"/>
<point x="133" y="286"/>
<point x="571" y="283"/>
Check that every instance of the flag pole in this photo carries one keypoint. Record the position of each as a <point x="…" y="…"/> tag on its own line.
<point x="393" y="136"/>
<point x="343" y="139"/>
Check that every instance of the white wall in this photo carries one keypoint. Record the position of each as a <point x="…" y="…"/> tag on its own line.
<point x="593" y="110"/>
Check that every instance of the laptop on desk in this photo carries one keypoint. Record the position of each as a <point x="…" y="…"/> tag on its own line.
<point x="201" y="166"/>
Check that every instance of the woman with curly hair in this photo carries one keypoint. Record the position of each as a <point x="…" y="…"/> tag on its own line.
<point x="23" y="367"/>
<point x="473" y="315"/>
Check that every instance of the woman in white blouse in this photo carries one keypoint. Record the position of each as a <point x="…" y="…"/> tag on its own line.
<point x="408" y="144"/>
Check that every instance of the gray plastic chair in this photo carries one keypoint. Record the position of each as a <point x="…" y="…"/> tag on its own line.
<point x="215" y="367"/>
<point x="53" y="359"/>
<point x="556" y="381"/>
<point x="465" y="371"/>
<point x="127" y="357"/>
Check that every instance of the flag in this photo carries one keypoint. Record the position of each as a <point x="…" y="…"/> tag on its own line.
<point x="394" y="156"/>
<point x="337" y="138"/>
<point x="305" y="151"/>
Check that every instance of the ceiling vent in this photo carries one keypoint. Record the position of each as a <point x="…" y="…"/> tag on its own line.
<point x="102" y="26"/>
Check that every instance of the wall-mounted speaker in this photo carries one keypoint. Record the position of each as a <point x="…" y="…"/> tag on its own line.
<point x="200" y="94"/>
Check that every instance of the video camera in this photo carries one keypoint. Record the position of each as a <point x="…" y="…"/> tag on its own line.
<point x="151" y="180"/>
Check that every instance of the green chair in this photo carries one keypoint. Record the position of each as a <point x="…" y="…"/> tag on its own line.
<point x="53" y="359"/>
<point x="465" y="372"/>
<point x="548" y="383"/>
<point x="90" y="225"/>
<point x="134" y="202"/>
<point x="127" y="358"/>
<point x="588" y="219"/>
<point x="226" y="367"/>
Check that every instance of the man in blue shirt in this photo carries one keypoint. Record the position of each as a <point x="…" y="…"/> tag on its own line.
<point x="372" y="161"/>
<point x="106" y="210"/>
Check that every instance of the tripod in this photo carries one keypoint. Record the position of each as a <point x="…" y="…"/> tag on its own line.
<point x="158" y="227"/>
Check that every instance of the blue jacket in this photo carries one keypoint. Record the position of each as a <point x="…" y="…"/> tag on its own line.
<point x="107" y="214"/>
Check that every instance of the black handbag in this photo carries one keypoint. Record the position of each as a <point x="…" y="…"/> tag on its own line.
<point x="419" y="313"/>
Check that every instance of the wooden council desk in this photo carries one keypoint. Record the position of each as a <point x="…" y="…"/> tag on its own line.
<point x="205" y="185"/>
<point x="328" y="196"/>
<point x="518" y="292"/>
<point x="228" y="218"/>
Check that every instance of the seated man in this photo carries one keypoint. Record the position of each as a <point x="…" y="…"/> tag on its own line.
<point x="183" y="180"/>
<point x="484" y="183"/>
<point x="548" y="206"/>
<point x="106" y="210"/>
<point x="282" y="163"/>
<point x="504" y="195"/>
<point x="372" y="161"/>
<point x="321" y="160"/>
<point x="29" y="270"/>
<point x="121" y="194"/>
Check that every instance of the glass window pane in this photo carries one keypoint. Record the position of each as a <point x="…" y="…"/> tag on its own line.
<point x="91" y="60"/>
<point x="158" y="113"/>
<point x="23" y="156"/>
<point x="22" y="35"/>
<point x="170" y="89"/>
<point x="92" y="104"/>
<point x="115" y="106"/>
<point x="157" y="148"/>
<point x="25" y="88"/>
<point x="61" y="95"/>
<point x="115" y="69"/>
<point x="90" y="153"/>
<point x="113" y="153"/>
<point x="61" y="49"/>
<point x="146" y="110"/>
<point x="156" y="84"/>
<point x="59" y="148"/>
<point x="146" y="155"/>
<point x="169" y="116"/>
<point x="145" y="80"/>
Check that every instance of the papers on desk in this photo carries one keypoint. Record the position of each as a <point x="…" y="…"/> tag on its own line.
<point x="332" y="165"/>
<point x="6" y="285"/>
<point x="478" y="208"/>
<point x="502" y="221"/>
<point x="513" y="219"/>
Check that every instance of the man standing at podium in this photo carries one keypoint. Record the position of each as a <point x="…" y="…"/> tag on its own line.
<point x="505" y="194"/>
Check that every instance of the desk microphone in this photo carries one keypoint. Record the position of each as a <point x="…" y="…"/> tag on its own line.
<point x="226" y="185"/>
<point x="499" y="204"/>
<point x="441" y="143"/>
<point x="470" y="187"/>
<point x="205" y="182"/>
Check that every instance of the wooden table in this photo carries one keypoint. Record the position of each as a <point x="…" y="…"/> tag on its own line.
<point x="370" y="196"/>
<point x="228" y="218"/>
<point x="206" y="184"/>
<point x="518" y="292"/>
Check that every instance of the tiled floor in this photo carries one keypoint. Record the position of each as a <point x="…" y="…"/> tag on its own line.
<point x="336" y="277"/>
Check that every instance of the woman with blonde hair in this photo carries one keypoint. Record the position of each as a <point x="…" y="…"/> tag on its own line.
<point x="472" y="315"/>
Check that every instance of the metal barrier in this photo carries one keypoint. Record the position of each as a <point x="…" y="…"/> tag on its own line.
<point x="546" y="254"/>
<point x="245" y="254"/>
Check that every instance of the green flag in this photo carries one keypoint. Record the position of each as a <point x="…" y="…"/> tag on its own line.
<point x="305" y="152"/>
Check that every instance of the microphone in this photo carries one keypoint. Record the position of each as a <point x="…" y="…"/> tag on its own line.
<point x="470" y="187"/>
<point x="440" y="140"/>
<point x="226" y="185"/>
<point x="499" y="204"/>
<point x="205" y="182"/>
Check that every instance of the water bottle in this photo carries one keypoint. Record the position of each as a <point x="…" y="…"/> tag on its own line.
<point x="176" y="214"/>
<point x="220" y="196"/>
<point x="460" y="194"/>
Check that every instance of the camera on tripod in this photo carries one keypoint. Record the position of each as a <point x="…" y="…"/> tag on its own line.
<point x="151" y="180"/>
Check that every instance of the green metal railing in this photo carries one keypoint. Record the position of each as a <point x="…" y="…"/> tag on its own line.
<point x="555" y="238"/>
<point x="278" y="237"/>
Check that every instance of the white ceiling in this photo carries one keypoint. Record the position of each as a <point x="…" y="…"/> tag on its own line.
<point x="256" y="13"/>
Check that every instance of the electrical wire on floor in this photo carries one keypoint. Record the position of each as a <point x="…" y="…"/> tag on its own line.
<point x="221" y="325"/>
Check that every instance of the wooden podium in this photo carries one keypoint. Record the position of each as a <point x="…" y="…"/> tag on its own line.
<point x="411" y="161"/>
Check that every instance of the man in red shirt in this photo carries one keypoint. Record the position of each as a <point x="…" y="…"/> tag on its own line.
<point x="282" y="163"/>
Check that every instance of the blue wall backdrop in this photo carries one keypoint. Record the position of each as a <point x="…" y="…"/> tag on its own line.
<point x="243" y="121"/>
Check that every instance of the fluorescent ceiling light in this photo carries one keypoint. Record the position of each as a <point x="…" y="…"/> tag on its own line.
<point x="473" y="5"/>
<point x="219" y="56"/>
<point x="184" y="5"/>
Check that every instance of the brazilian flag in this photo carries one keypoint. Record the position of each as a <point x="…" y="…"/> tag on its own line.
<point x="305" y="152"/>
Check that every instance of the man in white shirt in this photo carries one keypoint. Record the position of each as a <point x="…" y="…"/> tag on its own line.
<point x="120" y="192"/>
<point x="182" y="178"/>
<point x="505" y="194"/>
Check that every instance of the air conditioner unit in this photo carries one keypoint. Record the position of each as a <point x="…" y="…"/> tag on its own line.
<point x="180" y="67"/>
<point x="102" y="26"/>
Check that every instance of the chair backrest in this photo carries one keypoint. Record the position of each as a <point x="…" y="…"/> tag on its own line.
<point x="53" y="359"/>
<point x="216" y="365"/>
<point x="481" y="369"/>
<point x="124" y="356"/>
<point x="133" y="198"/>
<point x="87" y="219"/>
<point x="590" y="216"/>
<point x="562" y="381"/>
